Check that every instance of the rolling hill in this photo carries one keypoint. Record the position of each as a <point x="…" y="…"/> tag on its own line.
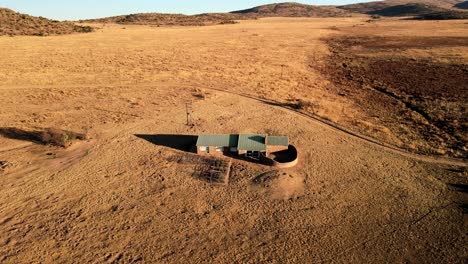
<point x="158" y="19"/>
<point x="291" y="9"/>
<point x="274" y="10"/>
<point x="420" y="9"/>
<point x="407" y="10"/>
<point x="13" y="23"/>
<point x="368" y="7"/>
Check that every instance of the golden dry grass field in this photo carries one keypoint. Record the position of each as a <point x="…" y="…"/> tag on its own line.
<point x="117" y="197"/>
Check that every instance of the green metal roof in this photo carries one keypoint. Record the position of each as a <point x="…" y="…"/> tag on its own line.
<point x="217" y="140"/>
<point x="251" y="142"/>
<point x="277" y="141"/>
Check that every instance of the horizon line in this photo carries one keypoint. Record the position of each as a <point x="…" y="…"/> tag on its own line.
<point x="116" y="14"/>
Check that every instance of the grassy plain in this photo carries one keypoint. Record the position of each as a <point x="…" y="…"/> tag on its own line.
<point x="116" y="197"/>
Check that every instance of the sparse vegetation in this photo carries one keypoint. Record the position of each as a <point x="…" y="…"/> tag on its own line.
<point x="156" y="19"/>
<point x="12" y="24"/>
<point x="58" y="137"/>
<point x="49" y="136"/>
<point x="226" y="22"/>
<point x="425" y="10"/>
<point x="302" y="104"/>
<point x="443" y="15"/>
<point x="406" y="10"/>
<point x="293" y="10"/>
<point x="273" y="10"/>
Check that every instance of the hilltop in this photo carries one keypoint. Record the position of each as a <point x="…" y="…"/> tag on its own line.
<point x="13" y="23"/>
<point x="158" y="19"/>
<point x="291" y="9"/>
<point x="288" y="9"/>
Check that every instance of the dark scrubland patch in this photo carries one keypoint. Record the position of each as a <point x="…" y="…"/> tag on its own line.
<point x="13" y="23"/>
<point x="444" y="15"/>
<point x="462" y="5"/>
<point x="365" y="8"/>
<point x="48" y="136"/>
<point x="406" y="10"/>
<point x="372" y="43"/>
<point x="422" y="102"/>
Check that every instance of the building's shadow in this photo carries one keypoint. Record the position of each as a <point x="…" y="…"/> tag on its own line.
<point x="19" y="134"/>
<point x="180" y="142"/>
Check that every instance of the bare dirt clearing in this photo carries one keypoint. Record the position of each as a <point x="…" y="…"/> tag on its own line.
<point x="117" y="197"/>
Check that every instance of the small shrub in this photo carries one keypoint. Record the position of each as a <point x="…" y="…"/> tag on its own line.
<point x="83" y="29"/>
<point x="226" y="22"/>
<point x="58" y="137"/>
<point x="302" y="104"/>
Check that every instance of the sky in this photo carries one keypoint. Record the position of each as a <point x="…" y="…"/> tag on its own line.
<point x="82" y="9"/>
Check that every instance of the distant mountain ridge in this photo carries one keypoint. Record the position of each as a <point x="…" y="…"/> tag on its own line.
<point x="274" y="10"/>
<point x="366" y="7"/>
<point x="13" y="23"/>
<point x="420" y="9"/>
<point x="292" y="9"/>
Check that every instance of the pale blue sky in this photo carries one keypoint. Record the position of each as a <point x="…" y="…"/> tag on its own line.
<point x="81" y="9"/>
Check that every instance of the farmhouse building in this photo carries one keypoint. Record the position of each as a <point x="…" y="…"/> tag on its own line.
<point x="250" y="145"/>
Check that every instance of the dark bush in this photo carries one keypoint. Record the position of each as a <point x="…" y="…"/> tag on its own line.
<point x="50" y="136"/>
<point x="226" y="22"/>
<point x="83" y="29"/>
<point x="58" y="137"/>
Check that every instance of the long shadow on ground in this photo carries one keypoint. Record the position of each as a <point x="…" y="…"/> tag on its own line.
<point x="180" y="142"/>
<point x="19" y="134"/>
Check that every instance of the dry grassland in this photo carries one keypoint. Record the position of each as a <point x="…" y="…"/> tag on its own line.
<point x="116" y="197"/>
